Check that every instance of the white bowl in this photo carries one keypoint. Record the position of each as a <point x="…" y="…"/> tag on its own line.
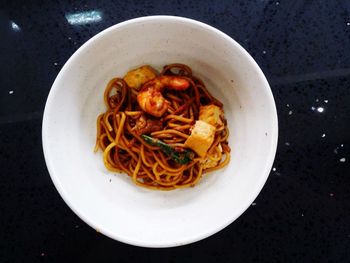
<point x="110" y="202"/>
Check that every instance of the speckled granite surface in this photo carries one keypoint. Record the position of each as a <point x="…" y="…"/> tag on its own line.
<point x="302" y="213"/>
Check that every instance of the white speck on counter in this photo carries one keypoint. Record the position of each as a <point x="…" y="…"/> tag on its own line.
<point x="55" y="63"/>
<point x="253" y="204"/>
<point x="320" y="109"/>
<point x="302" y="214"/>
<point x="264" y="52"/>
<point x="325" y="101"/>
<point x="76" y="226"/>
<point x="331" y="194"/>
<point x="277" y="3"/>
<point x="348" y="23"/>
<point x="287" y="105"/>
<point x="11" y="92"/>
<point x="287" y="144"/>
<point x="317" y="100"/>
<point x="15" y="27"/>
<point x="42" y="254"/>
<point x="313" y="108"/>
<point x="275" y="170"/>
<point x="323" y="135"/>
<point x="290" y="112"/>
<point x="342" y="160"/>
<point x="336" y="150"/>
<point x="342" y="145"/>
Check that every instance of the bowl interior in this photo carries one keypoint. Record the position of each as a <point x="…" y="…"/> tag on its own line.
<point x="110" y="202"/>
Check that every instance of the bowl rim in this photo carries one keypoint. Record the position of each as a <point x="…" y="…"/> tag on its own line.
<point x="55" y="178"/>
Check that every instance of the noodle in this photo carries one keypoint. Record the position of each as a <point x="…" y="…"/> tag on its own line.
<point x="121" y="129"/>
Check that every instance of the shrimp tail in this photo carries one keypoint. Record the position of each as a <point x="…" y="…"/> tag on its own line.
<point x="175" y="82"/>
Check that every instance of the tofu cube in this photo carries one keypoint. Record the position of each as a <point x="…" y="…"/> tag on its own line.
<point x="201" y="138"/>
<point x="208" y="163"/>
<point x="211" y="114"/>
<point x="137" y="77"/>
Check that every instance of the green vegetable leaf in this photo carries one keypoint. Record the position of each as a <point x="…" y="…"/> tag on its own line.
<point x="182" y="157"/>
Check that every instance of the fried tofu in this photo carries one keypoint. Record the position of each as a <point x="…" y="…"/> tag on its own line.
<point x="208" y="162"/>
<point x="137" y="77"/>
<point x="201" y="138"/>
<point x="211" y="114"/>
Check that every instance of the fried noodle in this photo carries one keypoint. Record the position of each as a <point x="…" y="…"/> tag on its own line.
<point x="125" y="151"/>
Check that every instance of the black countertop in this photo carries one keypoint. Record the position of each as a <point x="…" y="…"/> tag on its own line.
<point x="303" y="211"/>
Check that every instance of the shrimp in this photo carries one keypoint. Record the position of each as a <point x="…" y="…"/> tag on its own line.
<point x="150" y="97"/>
